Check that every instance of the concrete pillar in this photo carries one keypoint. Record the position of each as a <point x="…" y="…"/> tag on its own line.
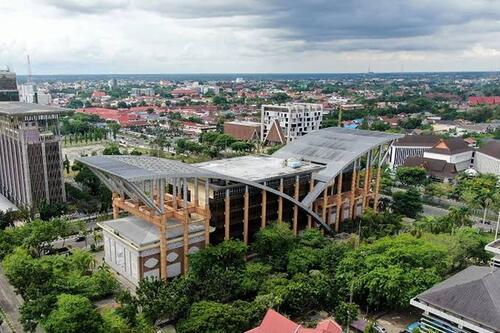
<point x="227" y="215"/>
<point x="245" y="215"/>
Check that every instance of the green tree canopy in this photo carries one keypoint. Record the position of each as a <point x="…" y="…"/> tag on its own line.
<point x="411" y="176"/>
<point x="73" y="314"/>
<point x="273" y="243"/>
<point x="407" y="203"/>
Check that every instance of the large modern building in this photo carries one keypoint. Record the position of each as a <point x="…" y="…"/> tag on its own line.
<point x="30" y="154"/>
<point x="469" y="301"/>
<point x="284" y="123"/>
<point x="318" y="180"/>
<point x="8" y="86"/>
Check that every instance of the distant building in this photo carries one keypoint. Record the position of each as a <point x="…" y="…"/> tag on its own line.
<point x="29" y="93"/>
<point x="469" y="301"/>
<point x="112" y="84"/>
<point x="487" y="158"/>
<point x="125" y="117"/>
<point x="487" y="100"/>
<point x="461" y="127"/>
<point x="8" y="86"/>
<point x="411" y="146"/>
<point x="243" y="130"/>
<point x="31" y="168"/>
<point x="142" y="92"/>
<point x="274" y="322"/>
<point x="292" y="120"/>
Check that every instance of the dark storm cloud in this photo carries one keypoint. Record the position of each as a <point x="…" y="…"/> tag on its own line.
<point x="328" y="24"/>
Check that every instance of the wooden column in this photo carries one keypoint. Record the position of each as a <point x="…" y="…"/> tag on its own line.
<point x="207" y="213"/>
<point x="280" y="202"/>
<point x="295" y="208"/>
<point x="354" y="186"/>
<point x="339" y="202"/>
<point x="245" y="215"/>
<point x="174" y="192"/>
<point x="227" y="215"/>
<point x="365" y="187"/>
<point x="325" y="201"/>
<point x="186" y="226"/>
<point x="196" y="193"/>
<point x="311" y="188"/>
<point x="163" y="249"/>
<point x="116" y="210"/>
<point x="377" y="180"/>
<point x="367" y="199"/>
<point x="264" y="208"/>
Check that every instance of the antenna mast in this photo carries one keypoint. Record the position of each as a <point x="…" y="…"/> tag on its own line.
<point x="30" y="79"/>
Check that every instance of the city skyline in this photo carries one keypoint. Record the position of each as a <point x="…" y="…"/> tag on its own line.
<point x="132" y="37"/>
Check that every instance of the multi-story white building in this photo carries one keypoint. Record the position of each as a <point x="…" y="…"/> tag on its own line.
<point x="142" y="92"/>
<point x="284" y="123"/>
<point x="29" y="93"/>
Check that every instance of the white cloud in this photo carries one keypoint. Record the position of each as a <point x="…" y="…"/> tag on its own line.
<point x="153" y="36"/>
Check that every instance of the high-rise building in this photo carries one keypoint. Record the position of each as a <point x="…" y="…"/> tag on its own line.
<point x="112" y="84"/>
<point x="8" y="86"/>
<point x="31" y="169"/>
<point x="284" y="123"/>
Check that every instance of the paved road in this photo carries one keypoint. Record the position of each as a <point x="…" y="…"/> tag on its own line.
<point x="434" y="211"/>
<point x="9" y="302"/>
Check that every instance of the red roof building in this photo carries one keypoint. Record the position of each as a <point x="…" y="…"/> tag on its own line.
<point x="98" y="94"/>
<point x="184" y="92"/>
<point x="124" y="117"/>
<point x="490" y="100"/>
<point x="274" y="322"/>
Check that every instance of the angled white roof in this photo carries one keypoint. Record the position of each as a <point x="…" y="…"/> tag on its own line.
<point x="6" y="205"/>
<point x="336" y="147"/>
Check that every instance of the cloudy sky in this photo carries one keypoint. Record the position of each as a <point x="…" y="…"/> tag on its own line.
<point x="224" y="36"/>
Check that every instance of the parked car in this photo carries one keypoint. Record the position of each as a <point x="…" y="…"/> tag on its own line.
<point x="410" y="328"/>
<point x="80" y="238"/>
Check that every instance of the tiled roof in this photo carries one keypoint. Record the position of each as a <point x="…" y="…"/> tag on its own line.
<point x="472" y="294"/>
<point x="475" y="100"/>
<point x="450" y="146"/>
<point x="417" y="141"/>
<point x="435" y="168"/>
<point x="242" y="131"/>
<point x="492" y="149"/>
<point x="274" y="322"/>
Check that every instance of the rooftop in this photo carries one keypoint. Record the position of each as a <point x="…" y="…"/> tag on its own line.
<point x="274" y="322"/>
<point x="492" y="148"/>
<point x="450" y="146"/>
<point x="139" y="168"/>
<point x="141" y="233"/>
<point x="336" y="147"/>
<point x="472" y="295"/>
<point x="256" y="168"/>
<point x="243" y="123"/>
<point x="20" y="108"/>
<point x="5" y="204"/>
<point x="427" y="140"/>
